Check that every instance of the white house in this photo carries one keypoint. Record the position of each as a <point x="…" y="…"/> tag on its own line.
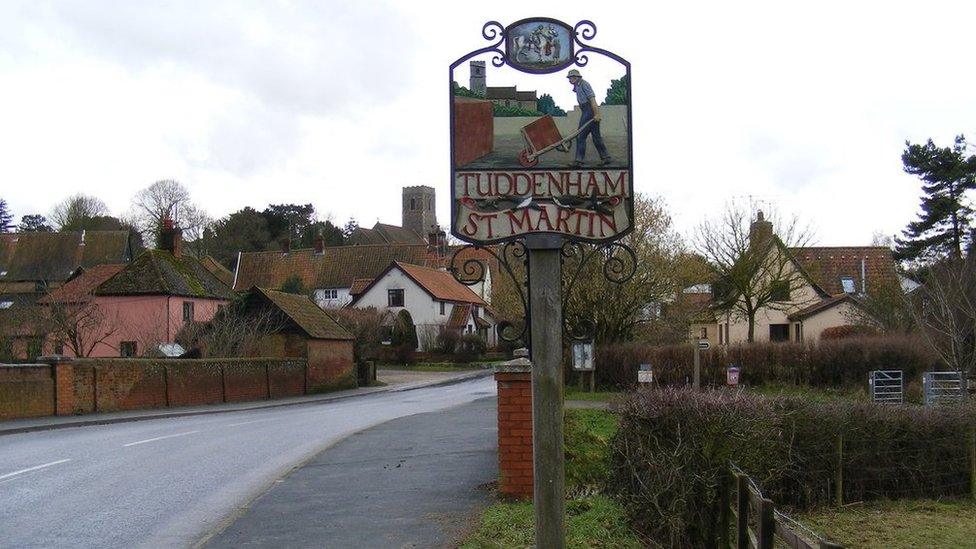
<point x="435" y="300"/>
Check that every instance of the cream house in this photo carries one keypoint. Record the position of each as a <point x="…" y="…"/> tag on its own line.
<point x="826" y="286"/>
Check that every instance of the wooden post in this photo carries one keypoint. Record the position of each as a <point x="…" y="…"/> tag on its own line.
<point x="545" y="345"/>
<point x="767" y="525"/>
<point x="697" y="366"/>
<point x="742" y="511"/>
<point x="724" y="502"/>
<point x="972" y="463"/>
<point x="839" y="478"/>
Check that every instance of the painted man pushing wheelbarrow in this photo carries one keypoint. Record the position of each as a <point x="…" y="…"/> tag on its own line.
<point x="590" y="111"/>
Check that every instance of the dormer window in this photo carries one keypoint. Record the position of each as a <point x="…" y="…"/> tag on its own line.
<point x="6" y="304"/>
<point x="847" y="283"/>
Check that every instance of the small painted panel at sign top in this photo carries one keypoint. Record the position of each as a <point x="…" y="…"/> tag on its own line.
<point x="583" y="355"/>
<point x="522" y="163"/>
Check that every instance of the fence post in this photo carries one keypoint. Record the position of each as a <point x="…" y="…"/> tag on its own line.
<point x="724" y="502"/>
<point x="839" y="478"/>
<point x="767" y="526"/>
<point x="742" y="511"/>
<point x="972" y="462"/>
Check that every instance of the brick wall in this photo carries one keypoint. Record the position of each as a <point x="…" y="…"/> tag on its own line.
<point x="514" y="431"/>
<point x="26" y="391"/>
<point x="330" y="365"/>
<point x="474" y="130"/>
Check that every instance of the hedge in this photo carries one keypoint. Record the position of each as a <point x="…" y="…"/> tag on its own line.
<point x="834" y="363"/>
<point x="674" y="445"/>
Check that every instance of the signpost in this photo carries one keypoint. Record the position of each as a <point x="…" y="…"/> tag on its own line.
<point x="645" y="374"/>
<point x="583" y="363"/>
<point x="702" y="345"/>
<point x="542" y="184"/>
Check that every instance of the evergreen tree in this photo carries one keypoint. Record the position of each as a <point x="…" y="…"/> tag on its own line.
<point x="34" y="223"/>
<point x="943" y="227"/>
<point x="617" y="94"/>
<point x="6" y="218"/>
<point x="547" y="105"/>
<point x="350" y="227"/>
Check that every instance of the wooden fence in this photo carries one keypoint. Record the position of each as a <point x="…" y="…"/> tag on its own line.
<point x="751" y="507"/>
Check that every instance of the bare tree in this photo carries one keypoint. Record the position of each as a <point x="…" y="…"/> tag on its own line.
<point x="235" y="331"/>
<point x="167" y="199"/>
<point x="74" y="210"/>
<point x="80" y="323"/>
<point x="753" y="267"/>
<point x="945" y="308"/>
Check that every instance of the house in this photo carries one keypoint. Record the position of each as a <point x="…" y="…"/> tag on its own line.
<point x="304" y="330"/>
<point x="31" y="265"/>
<point x="509" y="96"/>
<point x="130" y="309"/>
<point x="435" y="300"/>
<point x="830" y="281"/>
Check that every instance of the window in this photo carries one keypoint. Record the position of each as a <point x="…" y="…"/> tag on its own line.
<point x="727" y="333"/>
<point x="59" y="347"/>
<point x="443" y="308"/>
<point x="779" y="290"/>
<point x="127" y="349"/>
<point x="779" y="332"/>
<point x="798" y="332"/>
<point x="704" y="333"/>
<point x="187" y="311"/>
<point x="848" y="284"/>
<point x="394" y="298"/>
<point x="329" y="293"/>
<point x="6" y="304"/>
<point x="413" y="204"/>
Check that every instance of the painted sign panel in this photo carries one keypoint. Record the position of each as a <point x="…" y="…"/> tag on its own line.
<point x="541" y="151"/>
<point x="645" y="374"/>
<point x="583" y="356"/>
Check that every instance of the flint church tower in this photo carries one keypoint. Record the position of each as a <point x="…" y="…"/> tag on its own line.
<point x="477" y="80"/>
<point x="419" y="210"/>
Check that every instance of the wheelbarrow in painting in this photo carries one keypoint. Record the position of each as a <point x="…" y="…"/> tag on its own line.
<point x="542" y="136"/>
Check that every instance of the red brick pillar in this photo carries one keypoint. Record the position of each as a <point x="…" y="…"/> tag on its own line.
<point x="64" y="383"/>
<point x="514" y="379"/>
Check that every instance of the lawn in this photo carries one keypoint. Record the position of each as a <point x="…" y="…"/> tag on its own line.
<point x="592" y="519"/>
<point x="897" y="524"/>
<point x="573" y="393"/>
<point x="816" y="394"/>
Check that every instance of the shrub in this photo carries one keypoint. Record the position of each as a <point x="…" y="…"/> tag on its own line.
<point x="366" y="326"/>
<point x="471" y="347"/>
<point x="846" y="331"/>
<point x="447" y="341"/>
<point x="674" y="445"/>
<point x="831" y="363"/>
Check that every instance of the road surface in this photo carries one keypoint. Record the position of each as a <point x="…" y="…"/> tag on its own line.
<point x="170" y="482"/>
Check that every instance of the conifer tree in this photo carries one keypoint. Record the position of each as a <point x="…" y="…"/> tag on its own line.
<point x="6" y="218"/>
<point x="943" y="226"/>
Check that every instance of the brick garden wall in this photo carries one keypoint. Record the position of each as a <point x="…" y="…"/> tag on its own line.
<point x="110" y="385"/>
<point x="330" y="365"/>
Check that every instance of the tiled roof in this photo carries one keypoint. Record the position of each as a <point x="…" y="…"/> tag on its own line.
<point x="827" y="265"/>
<point x="305" y="314"/>
<point x="459" y="316"/>
<point x="500" y="92"/>
<point x="157" y="272"/>
<point x="358" y="285"/>
<point x="80" y="288"/>
<point x="382" y="233"/>
<point x="218" y="270"/>
<point x="821" y="305"/>
<point x="526" y="95"/>
<point x="335" y="267"/>
<point x="440" y="284"/>
<point x="55" y="256"/>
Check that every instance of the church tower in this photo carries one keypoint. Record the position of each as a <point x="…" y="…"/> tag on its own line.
<point x="477" y="83"/>
<point x="419" y="210"/>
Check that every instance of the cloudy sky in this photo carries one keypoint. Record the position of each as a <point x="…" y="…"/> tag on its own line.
<point x="801" y="106"/>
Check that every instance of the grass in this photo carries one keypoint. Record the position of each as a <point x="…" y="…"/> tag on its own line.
<point x="573" y="393"/>
<point x="592" y="519"/>
<point x="897" y="524"/>
<point x="814" y="394"/>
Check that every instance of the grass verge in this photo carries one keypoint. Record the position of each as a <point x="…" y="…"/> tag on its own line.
<point x="813" y="394"/>
<point x="572" y="393"/>
<point x="897" y="524"/>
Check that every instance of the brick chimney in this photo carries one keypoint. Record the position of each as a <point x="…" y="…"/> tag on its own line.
<point x="171" y="238"/>
<point x="286" y="245"/>
<point x="319" y="244"/>
<point x="761" y="231"/>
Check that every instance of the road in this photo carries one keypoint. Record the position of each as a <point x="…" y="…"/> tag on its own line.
<point x="170" y="482"/>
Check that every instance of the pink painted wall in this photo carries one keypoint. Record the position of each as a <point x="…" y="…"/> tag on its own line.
<point x="147" y="320"/>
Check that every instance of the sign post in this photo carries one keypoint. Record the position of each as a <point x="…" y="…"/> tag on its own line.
<point x="542" y="179"/>
<point x="700" y="345"/>
<point x="583" y="363"/>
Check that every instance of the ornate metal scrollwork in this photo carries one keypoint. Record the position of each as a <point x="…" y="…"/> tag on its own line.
<point x="619" y="266"/>
<point x="472" y="270"/>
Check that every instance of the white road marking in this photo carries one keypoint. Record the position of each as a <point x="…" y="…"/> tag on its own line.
<point x="159" y="438"/>
<point x="248" y="422"/>
<point x="29" y="469"/>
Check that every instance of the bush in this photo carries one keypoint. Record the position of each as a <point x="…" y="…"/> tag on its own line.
<point x="447" y="341"/>
<point x="831" y="363"/>
<point x="366" y="326"/>
<point x="674" y="445"/>
<point x="847" y="331"/>
<point x="471" y="347"/>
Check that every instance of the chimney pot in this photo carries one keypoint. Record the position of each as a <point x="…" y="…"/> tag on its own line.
<point x="319" y="244"/>
<point x="171" y="238"/>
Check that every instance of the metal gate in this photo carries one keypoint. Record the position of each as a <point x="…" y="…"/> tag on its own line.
<point x="943" y="387"/>
<point x="887" y="386"/>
